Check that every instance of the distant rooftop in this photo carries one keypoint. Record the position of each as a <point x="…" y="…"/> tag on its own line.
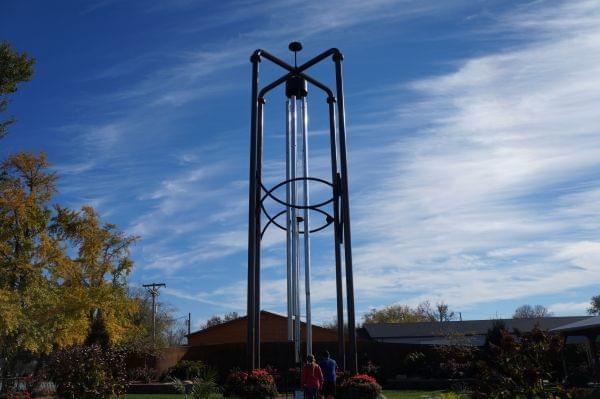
<point x="468" y="332"/>
<point x="587" y="324"/>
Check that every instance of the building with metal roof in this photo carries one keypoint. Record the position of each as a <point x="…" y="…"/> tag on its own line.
<point x="468" y="332"/>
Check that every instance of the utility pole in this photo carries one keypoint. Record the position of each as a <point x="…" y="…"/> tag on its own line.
<point x="189" y="323"/>
<point x="153" y="290"/>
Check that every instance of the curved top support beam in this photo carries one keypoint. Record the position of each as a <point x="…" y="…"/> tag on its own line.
<point x="336" y="53"/>
<point x="273" y="85"/>
<point x="262" y="53"/>
<point x="318" y="84"/>
<point x="332" y="52"/>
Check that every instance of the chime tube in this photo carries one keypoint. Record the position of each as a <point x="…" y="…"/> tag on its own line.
<point x="294" y="223"/>
<point x="290" y="310"/>
<point x="297" y="337"/>
<point x="306" y="193"/>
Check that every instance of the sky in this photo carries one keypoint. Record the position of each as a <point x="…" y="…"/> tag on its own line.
<point x="473" y="135"/>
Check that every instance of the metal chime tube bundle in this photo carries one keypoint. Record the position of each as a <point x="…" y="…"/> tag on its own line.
<point x="289" y="238"/>
<point x="294" y="227"/>
<point x="306" y="227"/>
<point x="297" y="222"/>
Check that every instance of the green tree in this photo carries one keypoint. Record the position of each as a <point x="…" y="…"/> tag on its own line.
<point x="15" y="68"/>
<point x="400" y="314"/>
<point x="423" y="312"/>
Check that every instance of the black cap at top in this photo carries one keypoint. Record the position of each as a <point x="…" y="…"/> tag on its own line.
<point x="295" y="46"/>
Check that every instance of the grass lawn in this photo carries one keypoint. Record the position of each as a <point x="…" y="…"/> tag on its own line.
<point x="388" y="395"/>
<point x="410" y="394"/>
<point x="163" y="396"/>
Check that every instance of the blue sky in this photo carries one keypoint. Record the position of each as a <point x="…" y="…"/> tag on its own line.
<point x="472" y="127"/>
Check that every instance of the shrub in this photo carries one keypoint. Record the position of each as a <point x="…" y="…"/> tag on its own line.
<point x="89" y="372"/>
<point x="257" y="384"/>
<point x="583" y="393"/>
<point x="370" y="369"/>
<point x="19" y="395"/>
<point x="416" y="363"/>
<point x="186" y="370"/>
<point x="518" y="366"/>
<point x="360" y="386"/>
<point x="455" y="361"/>
<point x="450" y="395"/>
<point x="144" y="374"/>
<point x="340" y="377"/>
<point x="204" y="387"/>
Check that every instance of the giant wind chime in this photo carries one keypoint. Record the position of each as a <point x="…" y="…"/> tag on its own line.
<point x="297" y="207"/>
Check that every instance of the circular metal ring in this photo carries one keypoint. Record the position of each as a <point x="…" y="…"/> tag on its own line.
<point x="328" y="220"/>
<point x="269" y="193"/>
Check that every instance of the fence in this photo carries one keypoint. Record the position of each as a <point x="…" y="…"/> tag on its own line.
<point x="12" y="384"/>
<point x="278" y="356"/>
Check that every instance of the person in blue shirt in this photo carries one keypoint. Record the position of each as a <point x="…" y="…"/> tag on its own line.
<point x="328" y="366"/>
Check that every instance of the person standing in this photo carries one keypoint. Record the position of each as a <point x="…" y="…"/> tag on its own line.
<point x="329" y="367"/>
<point x="312" y="378"/>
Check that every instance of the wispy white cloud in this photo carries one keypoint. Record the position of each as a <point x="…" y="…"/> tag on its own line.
<point x="569" y="308"/>
<point x="490" y="184"/>
<point x="495" y="190"/>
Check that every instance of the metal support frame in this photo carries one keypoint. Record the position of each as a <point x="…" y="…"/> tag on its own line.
<point x="340" y="204"/>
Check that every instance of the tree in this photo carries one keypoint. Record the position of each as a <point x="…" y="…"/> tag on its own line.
<point x="27" y="254"/>
<point x="98" y="334"/>
<point x="333" y="324"/>
<point x="443" y="313"/>
<point x="60" y="270"/>
<point x="170" y="330"/>
<point x="215" y="320"/>
<point x="531" y="312"/>
<point x="14" y="68"/>
<point x="594" y="308"/>
<point x="176" y="334"/>
<point x="400" y="314"/>
<point x="405" y="314"/>
<point x="97" y="275"/>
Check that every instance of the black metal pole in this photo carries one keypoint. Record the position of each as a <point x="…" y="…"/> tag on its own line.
<point x="154" y="318"/>
<point x="258" y="191"/>
<point x="250" y="347"/>
<point x="337" y="235"/>
<point x="353" y="365"/>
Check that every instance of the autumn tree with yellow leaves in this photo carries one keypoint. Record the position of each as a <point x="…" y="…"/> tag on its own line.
<point x="61" y="270"/>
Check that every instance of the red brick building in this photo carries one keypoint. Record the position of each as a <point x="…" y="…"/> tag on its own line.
<point x="273" y="328"/>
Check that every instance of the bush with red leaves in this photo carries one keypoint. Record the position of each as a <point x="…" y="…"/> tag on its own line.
<point x="360" y="386"/>
<point x="257" y="384"/>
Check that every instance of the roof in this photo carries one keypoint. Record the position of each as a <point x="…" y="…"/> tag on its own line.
<point x="436" y="333"/>
<point x="589" y="324"/>
<point x="262" y="313"/>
